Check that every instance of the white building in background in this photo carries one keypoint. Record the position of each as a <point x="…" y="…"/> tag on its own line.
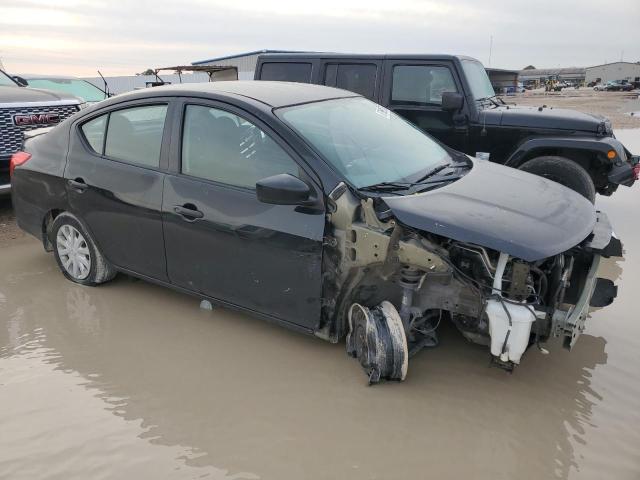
<point x="244" y="62"/>
<point x="613" y="71"/>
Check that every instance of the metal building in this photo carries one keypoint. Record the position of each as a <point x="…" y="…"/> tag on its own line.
<point x="537" y="76"/>
<point x="613" y="71"/>
<point x="244" y="62"/>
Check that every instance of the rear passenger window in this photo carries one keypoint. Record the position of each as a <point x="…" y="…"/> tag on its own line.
<point x="94" y="131"/>
<point x="286" y="72"/>
<point x="223" y="147"/>
<point x="421" y="84"/>
<point x="135" y="135"/>
<point x="358" y="78"/>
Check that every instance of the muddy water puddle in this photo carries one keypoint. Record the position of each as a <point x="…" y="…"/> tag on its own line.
<point x="130" y="380"/>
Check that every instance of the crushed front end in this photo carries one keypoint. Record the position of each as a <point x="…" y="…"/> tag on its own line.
<point x="388" y="286"/>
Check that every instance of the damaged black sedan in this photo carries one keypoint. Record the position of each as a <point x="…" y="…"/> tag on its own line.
<point x="317" y="209"/>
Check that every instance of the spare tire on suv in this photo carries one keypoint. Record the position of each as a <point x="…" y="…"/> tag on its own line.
<point x="563" y="171"/>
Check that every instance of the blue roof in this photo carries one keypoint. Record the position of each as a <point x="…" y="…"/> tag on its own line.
<point x="245" y="54"/>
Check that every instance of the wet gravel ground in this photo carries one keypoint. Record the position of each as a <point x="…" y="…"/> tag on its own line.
<point x="9" y="231"/>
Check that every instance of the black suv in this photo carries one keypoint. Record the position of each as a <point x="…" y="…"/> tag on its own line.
<point x="451" y="98"/>
<point x="24" y="109"/>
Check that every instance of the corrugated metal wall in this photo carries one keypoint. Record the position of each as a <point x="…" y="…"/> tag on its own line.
<point x="613" y="71"/>
<point x="246" y="65"/>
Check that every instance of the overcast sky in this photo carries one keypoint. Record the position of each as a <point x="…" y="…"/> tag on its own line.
<point x="119" y="37"/>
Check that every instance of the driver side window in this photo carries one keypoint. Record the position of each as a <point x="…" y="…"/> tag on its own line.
<point x="420" y="84"/>
<point x="221" y="146"/>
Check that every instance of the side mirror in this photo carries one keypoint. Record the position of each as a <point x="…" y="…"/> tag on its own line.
<point x="283" y="189"/>
<point x="20" y="81"/>
<point x="452" y="101"/>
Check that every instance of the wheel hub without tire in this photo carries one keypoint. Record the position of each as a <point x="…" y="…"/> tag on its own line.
<point x="377" y="339"/>
<point x="73" y="252"/>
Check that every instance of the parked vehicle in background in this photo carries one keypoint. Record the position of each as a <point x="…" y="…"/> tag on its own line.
<point x="451" y="98"/>
<point x="23" y="109"/>
<point x="600" y="87"/>
<point x="619" y="86"/>
<point x="320" y="210"/>
<point x="69" y="85"/>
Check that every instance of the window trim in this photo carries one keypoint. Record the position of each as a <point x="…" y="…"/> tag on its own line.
<point x="404" y="104"/>
<point x="176" y="152"/>
<point x="147" y="102"/>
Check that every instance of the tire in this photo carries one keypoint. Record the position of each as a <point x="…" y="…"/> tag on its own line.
<point x="77" y="255"/>
<point x="563" y="171"/>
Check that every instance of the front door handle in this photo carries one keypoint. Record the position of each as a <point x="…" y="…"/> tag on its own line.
<point x="78" y="185"/>
<point x="188" y="211"/>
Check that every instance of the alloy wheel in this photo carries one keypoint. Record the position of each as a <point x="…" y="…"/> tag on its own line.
<point x="73" y="252"/>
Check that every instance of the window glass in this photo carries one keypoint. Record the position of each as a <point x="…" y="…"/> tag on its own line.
<point x="135" y="135"/>
<point x="79" y="88"/>
<point x="365" y="142"/>
<point x="359" y="78"/>
<point x="93" y="131"/>
<point x="223" y="147"/>
<point x="420" y="84"/>
<point x="286" y="72"/>
<point x="478" y="79"/>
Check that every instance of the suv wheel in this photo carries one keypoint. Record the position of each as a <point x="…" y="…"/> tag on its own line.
<point x="563" y="171"/>
<point x="77" y="255"/>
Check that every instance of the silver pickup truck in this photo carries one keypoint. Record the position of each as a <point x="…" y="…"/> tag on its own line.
<point x="24" y="109"/>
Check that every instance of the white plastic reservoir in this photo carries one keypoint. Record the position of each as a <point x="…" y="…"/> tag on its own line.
<point x="521" y="320"/>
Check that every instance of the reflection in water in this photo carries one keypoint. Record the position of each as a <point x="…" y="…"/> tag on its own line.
<point x="129" y="379"/>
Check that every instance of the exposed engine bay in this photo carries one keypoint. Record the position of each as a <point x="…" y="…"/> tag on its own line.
<point x="388" y="287"/>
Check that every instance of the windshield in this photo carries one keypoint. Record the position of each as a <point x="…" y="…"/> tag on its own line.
<point x="478" y="79"/>
<point x="6" y="81"/>
<point x="365" y="142"/>
<point x="75" y="87"/>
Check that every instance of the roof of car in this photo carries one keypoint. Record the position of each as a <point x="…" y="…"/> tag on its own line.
<point x="365" y="56"/>
<point x="274" y="94"/>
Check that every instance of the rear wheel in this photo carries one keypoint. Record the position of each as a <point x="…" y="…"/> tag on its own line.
<point x="563" y="171"/>
<point x="77" y="255"/>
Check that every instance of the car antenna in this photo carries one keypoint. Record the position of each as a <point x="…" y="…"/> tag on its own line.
<point x="106" y="85"/>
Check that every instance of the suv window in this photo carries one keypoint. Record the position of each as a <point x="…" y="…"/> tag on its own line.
<point x="287" y="72"/>
<point x="223" y="147"/>
<point x="420" y="84"/>
<point x="359" y="78"/>
<point x="135" y="134"/>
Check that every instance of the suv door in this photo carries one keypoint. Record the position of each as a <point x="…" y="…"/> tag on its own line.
<point x="220" y="240"/>
<point x="413" y="89"/>
<point x="114" y="180"/>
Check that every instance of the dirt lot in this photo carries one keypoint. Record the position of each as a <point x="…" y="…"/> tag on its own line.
<point x="616" y="106"/>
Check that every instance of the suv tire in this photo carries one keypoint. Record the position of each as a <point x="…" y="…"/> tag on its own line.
<point x="563" y="171"/>
<point x="76" y="253"/>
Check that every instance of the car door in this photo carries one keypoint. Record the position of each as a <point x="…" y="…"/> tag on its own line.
<point x="413" y="89"/>
<point x="220" y="240"/>
<point x="114" y="178"/>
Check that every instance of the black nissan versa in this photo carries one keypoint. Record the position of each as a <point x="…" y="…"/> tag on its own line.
<point x="317" y="209"/>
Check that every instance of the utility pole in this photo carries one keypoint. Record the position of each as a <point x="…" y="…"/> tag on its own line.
<point x="490" y="48"/>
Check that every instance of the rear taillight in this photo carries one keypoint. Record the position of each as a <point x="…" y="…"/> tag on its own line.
<point x="18" y="158"/>
<point x="636" y="171"/>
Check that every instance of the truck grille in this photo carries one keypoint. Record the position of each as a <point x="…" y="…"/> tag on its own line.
<point x="11" y="134"/>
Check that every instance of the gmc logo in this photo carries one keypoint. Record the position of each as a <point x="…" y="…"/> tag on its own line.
<point x="36" y="119"/>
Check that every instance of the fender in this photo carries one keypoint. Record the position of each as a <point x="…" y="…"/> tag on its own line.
<point x="598" y="145"/>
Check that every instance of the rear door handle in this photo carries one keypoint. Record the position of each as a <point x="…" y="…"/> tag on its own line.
<point x="188" y="211"/>
<point x="78" y="185"/>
